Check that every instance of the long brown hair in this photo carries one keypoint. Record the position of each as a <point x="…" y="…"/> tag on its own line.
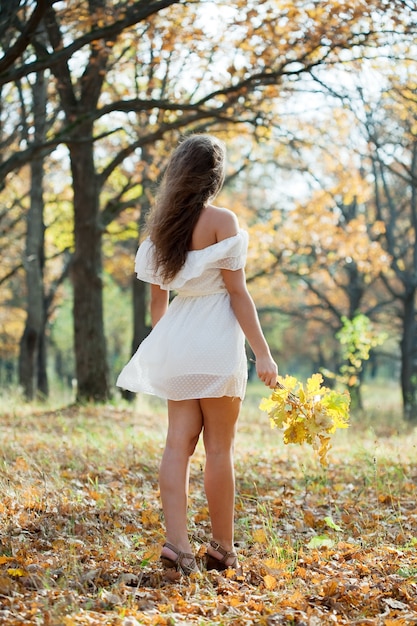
<point x="194" y="175"/>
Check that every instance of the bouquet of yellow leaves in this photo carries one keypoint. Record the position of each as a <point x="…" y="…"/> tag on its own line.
<point x="307" y="415"/>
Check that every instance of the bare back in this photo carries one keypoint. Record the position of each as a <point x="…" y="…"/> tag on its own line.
<point x="214" y="224"/>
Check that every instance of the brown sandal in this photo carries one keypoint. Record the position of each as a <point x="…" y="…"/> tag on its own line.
<point x="178" y="564"/>
<point x="212" y="562"/>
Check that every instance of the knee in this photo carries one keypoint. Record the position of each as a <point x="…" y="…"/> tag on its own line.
<point x="218" y="449"/>
<point x="182" y="445"/>
<point x="192" y="444"/>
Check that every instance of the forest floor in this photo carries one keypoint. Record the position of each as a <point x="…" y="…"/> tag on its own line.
<point x="81" y="525"/>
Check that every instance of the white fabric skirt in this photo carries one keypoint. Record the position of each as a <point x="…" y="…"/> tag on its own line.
<point x="196" y="350"/>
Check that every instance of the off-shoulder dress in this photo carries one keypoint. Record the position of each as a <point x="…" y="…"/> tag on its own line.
<point x="197" y="349"/>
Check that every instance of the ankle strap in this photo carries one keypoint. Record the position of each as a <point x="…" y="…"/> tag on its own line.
<point x="219" y="548"/>
<point x="180" y="554"/>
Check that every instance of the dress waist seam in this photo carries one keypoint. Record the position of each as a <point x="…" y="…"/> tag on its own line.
<point x="182" y="294"/>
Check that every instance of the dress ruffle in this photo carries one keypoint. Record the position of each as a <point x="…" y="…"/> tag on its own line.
<point x="227" y="254"/>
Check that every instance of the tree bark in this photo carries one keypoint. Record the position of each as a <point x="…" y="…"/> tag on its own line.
<point x="140" y="327"/>
<point x="408" y="358"/>
<point x="139" y="289"/>
<point x="400" y="226"/>
<point x="32" y="361"/>
<point x="86" y="271"/>
<point x="86" y="268"/>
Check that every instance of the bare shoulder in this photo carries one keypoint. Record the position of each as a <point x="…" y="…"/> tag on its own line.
<point x="225" y="222"/>
<point x="214" y="224"/>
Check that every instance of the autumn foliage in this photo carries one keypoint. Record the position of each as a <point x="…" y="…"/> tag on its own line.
<point x="81" y="526"/>
<point x="307" y="414"/>
<point x="96" y="93"/>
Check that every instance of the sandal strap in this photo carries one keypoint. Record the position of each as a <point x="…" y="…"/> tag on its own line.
<point x="219" y="548"/>
<point x="181" y="557"/>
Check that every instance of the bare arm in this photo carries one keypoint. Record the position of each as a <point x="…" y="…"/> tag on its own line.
<point x="159" y="303"/>
<point x="226" y="225"/>
<point x="247" y="316"/>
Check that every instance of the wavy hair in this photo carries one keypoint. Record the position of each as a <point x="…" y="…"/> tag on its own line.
<point x="194" y="175"/>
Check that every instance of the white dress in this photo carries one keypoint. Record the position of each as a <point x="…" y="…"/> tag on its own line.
<point x="197" y="349"/>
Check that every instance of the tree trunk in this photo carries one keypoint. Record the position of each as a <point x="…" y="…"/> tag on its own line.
<point x="140" y="327"/>
<point x="32" y="361"/>
<point x="86" y="268"/>
<point x="89" y="338"/>
<point x="139" y="288"/>
<point x="356" y="403"/>
<point x="42" y="378"/>
<point x="409" y="359"/>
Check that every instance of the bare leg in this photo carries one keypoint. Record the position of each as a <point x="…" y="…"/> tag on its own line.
<point x="184" y="426"/>
<point x="220" y="418"/>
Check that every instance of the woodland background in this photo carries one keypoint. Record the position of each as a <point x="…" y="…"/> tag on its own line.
<point x="317" y="104"/>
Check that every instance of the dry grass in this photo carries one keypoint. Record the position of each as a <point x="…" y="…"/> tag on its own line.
<point x="80" y="522"/>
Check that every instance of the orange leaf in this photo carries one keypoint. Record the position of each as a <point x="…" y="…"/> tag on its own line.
<point x="296" y="600"/>
<point x="270" y="582"/>
<point x="259" y="536"/>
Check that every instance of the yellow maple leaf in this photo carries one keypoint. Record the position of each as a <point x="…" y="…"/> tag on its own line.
<point x="267" y="404"/>
<point x="309" y="416"/>
<point x="16" y="571"/>
<point x="313" y="385"/>
<point x="295" y="433"/>
<point x="280" y="414"/>
<point x="289" y="382"/>
<point x="323" y="450"/>
<point x="279" y="395"/>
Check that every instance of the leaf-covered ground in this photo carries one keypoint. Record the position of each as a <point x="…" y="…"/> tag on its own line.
<point x="80" y="525"/>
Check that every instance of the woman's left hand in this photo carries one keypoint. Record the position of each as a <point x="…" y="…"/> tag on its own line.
<point x="267" y="370"/>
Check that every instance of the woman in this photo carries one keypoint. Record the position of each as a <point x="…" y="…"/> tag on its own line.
<point x="195" y="355"/>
